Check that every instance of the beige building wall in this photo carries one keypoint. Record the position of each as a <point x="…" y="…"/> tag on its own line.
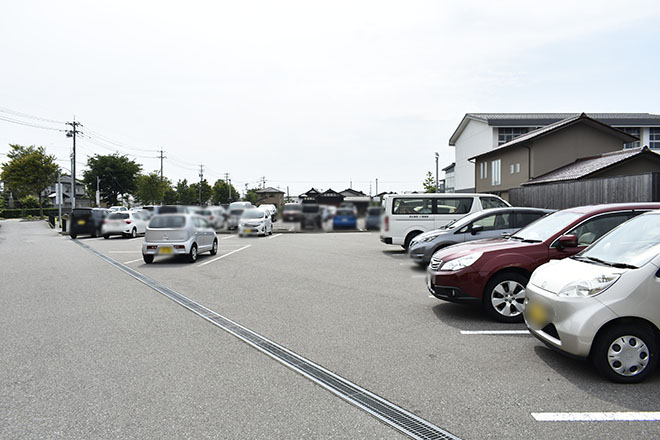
<point x="569" y="144"/>
<point x="518" y="157"/>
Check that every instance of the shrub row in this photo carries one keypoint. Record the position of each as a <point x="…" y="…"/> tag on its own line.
<point x="19" y="213"/>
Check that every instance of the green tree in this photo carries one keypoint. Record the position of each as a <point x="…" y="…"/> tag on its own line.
<point x="207" y="192"/>
<point x="29" y="202"/>
<point x="118" y="176"/>
<point x="429" y="183"/>
<point x="184" y="195"/>
<point x="251" y="195"/>
<point x="224" y="193"/>
<point x="170" y="197"/>
<point x="29" y="171"/>
<point x="151" y="188"/>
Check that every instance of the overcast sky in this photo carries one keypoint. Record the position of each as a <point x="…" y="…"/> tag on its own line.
<point x="311" y="93"/>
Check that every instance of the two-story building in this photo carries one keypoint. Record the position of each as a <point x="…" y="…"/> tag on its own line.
<point x="545" y="149"/>
<point x="271" y="196"/>
<point x="479" y="133"/>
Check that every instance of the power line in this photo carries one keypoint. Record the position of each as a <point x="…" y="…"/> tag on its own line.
<point x="109" y="140"/>
<point x="28" y="124"/>
<point x="26" y="115"/>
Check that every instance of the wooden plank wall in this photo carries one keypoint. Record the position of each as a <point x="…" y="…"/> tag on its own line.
<point x="639" y="188"/>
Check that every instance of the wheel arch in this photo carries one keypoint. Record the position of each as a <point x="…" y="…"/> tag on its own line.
<point x="511" y="269"/>
<point x="626" y="320"/>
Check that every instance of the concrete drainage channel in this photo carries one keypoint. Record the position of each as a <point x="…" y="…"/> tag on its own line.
<point x="387" y="412"/>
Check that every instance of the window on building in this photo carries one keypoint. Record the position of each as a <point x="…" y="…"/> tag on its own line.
<point x="483" y="170"/>
<point x="504" y="135"/>
<point x="517" y="168"/>
<point x="635" y="131"/>
<point x="654" y="137"/>
<point x="496" y="168"/>
<point x="513" y="169"/>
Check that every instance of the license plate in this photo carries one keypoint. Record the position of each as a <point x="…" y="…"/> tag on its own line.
<point x="165" y="250"/>
<point x="537" y="314"/>
<point x="81" y="222"/>
<point x="247" y="231"/>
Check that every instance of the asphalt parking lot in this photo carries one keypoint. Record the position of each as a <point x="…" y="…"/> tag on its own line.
<point x="90" y="351"/>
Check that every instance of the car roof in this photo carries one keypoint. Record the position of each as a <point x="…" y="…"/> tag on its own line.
<point x="595" y="209"/>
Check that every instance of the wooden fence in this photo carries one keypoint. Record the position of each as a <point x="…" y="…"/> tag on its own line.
<point x="639" y="188"/>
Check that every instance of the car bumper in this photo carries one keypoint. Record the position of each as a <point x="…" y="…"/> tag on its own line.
<point x="170" y="248"/>
<point x="116" y="230"/>
<point x="252" y="230"/>
<point x="565" y="324"/>
<point x="463" y="285"/>
<point x="420" y="254"/>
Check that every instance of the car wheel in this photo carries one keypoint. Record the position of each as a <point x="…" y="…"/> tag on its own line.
<point x="192" y="256"/>
<point x="504" y="297"/>
<point x="214" y="249"/>
<point x="625" y="353"/>
<point x="134" y="233"/>
<point x="106" y="236"/>
<point x="73" y="236"/>
<point x="148" y="258"/>
<point x="406" y="242"/>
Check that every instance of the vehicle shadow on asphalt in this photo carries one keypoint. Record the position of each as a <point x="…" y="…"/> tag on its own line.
<point x="395" y="253"/>
<point x="584" y="376"/>
<point x="471" y="317"/>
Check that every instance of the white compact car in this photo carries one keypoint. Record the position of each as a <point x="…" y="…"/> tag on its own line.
<point x="604" y="303"/>
<point x="126" y="223"/>
<point x="255" y="221"/>
<point x="178" y="234"/>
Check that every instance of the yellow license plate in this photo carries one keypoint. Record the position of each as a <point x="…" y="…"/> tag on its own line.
<point x="248" y="231"/>
<point x="537" y="314"/>
<point x="165" y="250"/>
<point x="81" y="222"/>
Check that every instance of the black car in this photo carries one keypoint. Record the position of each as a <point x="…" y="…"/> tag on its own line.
<point x="87" y="221"/>
<point x="311" y="216"/>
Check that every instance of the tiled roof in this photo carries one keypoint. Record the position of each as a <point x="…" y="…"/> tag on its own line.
<point x="558" y="126"/>
<point x="270" y="189"/>
<point x="588" y="165"/>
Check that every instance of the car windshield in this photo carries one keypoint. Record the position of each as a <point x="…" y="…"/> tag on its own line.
<point x="252" y="214"/>
<point x="292" y="208"/>
<point x="117" y="216"/>
<point x="167" y="221"/>
<point x="547" y="226"/>
<point x="236" y="212"/>
<point x="633" y="244"/>
<point x="310" y="208"/>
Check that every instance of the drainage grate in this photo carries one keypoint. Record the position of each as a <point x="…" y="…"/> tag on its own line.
<point x="378" y="407"/>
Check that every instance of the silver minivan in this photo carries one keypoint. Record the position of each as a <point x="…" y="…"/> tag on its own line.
<point x="604" y="303"/>
<point x="178" y="234"/>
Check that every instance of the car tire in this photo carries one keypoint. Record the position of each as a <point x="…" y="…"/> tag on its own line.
<point x="106" y="236"/>
<point x="504" y="296"/>
<point x="73" y="236"/>
<point x="409" y="237"/>
<point x="133" y="233"/>
<point x="148" y="258"/>
<point x="214" y="248"/>
<point x="625" y="353"/>
<point x="192" y="255"/>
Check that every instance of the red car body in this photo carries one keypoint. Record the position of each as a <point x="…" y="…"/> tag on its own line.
<point x="507" y="263"/>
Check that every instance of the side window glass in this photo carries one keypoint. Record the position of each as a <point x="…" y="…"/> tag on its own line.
<point x="412" y="206"/>
<point x="525" y="218"/>
<point x="491" y="202"/>
<point x="593" y="229"/>
<point x="494" y="222"/>
<point x="453" y="206"/>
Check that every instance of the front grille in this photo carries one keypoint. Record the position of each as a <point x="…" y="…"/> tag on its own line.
<point x="435" y="263"/>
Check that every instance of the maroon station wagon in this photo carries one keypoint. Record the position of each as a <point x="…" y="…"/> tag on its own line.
<point x="494" y="272"/>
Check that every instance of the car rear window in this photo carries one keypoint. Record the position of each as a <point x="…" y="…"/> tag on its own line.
<point x="167" y="221"/>
<point x="492" y="202"/>
<point x="345" y="211"/>
<point x="117" y="216"/>
<point x="292" y="208"/>
<point x="236" y="212"/>
<point x="82" y="212"/>
<point x="373" y="211"/>
<point x="170" y="209"/>
<point x="310" y="208"/>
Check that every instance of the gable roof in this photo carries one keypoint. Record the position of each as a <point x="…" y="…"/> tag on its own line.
<point x="270" y="189"/>
<point x="589" y="165"/>
<point x="556" y="126"/>
<point x="349" y="192"/>
<point x="541" y="119"/>
<point x="449" y="167"/>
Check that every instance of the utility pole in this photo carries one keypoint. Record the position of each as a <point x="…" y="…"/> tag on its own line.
<point x="246" y="190"/>
<point x="377" y="187"/>
<point x="72" y="134"/>
<point x="98" y="192"/>
<point x="228" y="185"/>
<point x="436" y="171"/>
<point x="263" y="182"/>
<point x="201" y="179"/>
<point x="59" y="198"/>
<point x="161" y="165"/>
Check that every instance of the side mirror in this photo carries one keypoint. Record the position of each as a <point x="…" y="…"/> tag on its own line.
<point x="568" y="241"/>
<point x="476" y="228"/>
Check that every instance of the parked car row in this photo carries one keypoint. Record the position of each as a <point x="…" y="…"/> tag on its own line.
<point x="583" y="279"/>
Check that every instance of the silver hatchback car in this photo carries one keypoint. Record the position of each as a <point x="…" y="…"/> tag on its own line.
<point x="178" y="234"/>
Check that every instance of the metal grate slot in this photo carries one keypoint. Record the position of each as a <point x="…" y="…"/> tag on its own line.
<point x="373" y="404"/>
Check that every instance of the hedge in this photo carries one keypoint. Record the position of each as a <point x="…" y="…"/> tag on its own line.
<point x="18" y="213"/>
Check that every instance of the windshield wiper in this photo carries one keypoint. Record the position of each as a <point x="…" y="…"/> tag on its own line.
<point x="515" y="237"/>
<point x="608" y="263"/>
<point x="531" y="240"/>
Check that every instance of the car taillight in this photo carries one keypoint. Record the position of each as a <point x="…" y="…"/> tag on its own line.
<point x="152" y="247"/>
<point x="179" y="246"/>
<point x="128" y="222"/>
<point x="105" y="221"/>
<point x="387" y="224"/>
<point x="211" y="218"/>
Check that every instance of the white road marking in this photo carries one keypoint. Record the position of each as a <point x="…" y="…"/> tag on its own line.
<point x="494" y="332"/>
<point x="652" y="416"/>
<point x="227" y="238"/>
<point x="124" y="252"/>
<point x="273" y="236"/>
<point x="418" y="276"/>
<point x="225" y="255"/>
<point x="133" y="261"/>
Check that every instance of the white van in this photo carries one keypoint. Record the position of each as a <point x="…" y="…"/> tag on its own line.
<point x="407" y="215"/>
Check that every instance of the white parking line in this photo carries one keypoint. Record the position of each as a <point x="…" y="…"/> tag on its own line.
<point x="273" y="236"/>
<point x="227" y="238"/>
<point x="494" y="332"/>
<point x="124" y="252"/>
<point x="652" y="416"/>
<point x="133" y="261"/>
<point x="418" y="276"/>
<point x="225" y="255"/>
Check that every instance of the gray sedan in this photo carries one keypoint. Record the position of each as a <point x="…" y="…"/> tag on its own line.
<point x="489" y="223"/>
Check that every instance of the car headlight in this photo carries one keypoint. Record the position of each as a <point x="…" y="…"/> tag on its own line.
<point x="589" y="287"/>
<point x="462" y="262"/>
<point x="426" y="238"/>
